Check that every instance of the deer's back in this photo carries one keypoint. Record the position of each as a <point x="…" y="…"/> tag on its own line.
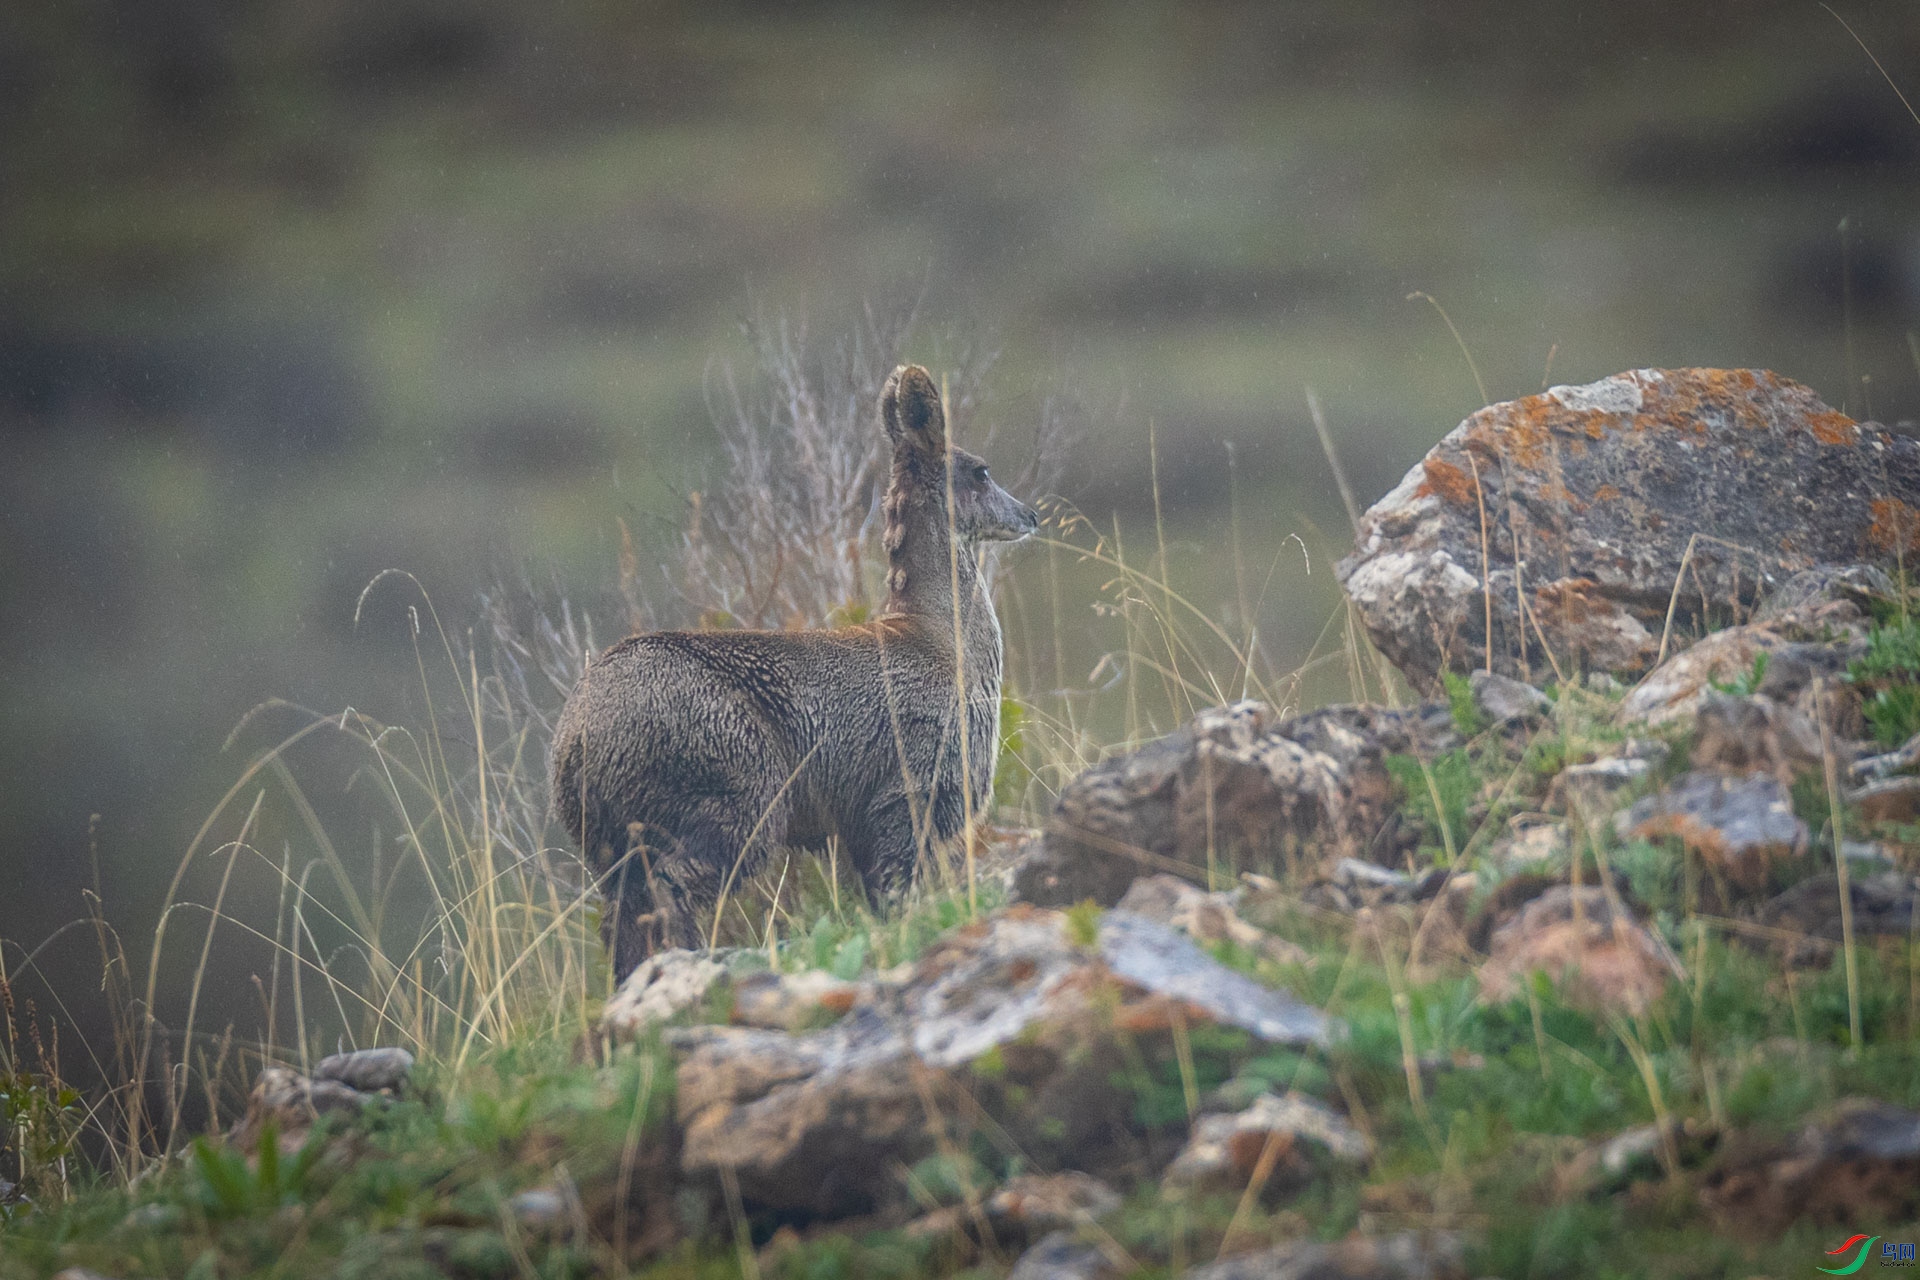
<point x="662" y="719"/>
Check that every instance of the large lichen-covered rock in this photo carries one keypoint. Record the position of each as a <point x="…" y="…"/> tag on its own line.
<point x="1235" y="789"/>
<point x="1589" y="498"/>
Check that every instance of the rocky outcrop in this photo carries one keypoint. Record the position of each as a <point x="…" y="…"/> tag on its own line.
<point x="1012" y="1015"/>
<point x="1236" y="789"/>
<point x="1565" y="517"/>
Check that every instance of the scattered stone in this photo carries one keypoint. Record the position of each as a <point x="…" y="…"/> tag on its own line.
<point x="1634" y="1155"/>
<point x="541" y="1209"/>
<point x="1205" y="917"/>
<point x="1592" y="497"/>
<point x="1604" y="960"/>
<point x="1740" y="826"/>
<point x="1224" y="1150"/>
<point x="1858" y="1163"/>
<point x="1755" y="735"/>
<point x="665" y="983"/>
<point x="1883" y="905"/>
<point x="790" y="1001"/>
<point x="1902" y="759"/>
<point x="1008" y="1012"/>
<point x="291" y="1102"/>
<point x="1530" y="845"/>
<point x="1061" y="1256"/>
<point x="1504" y="700"/>
<point x="1593" y="788"/>
<point x="1894" y="799"/>
<point x="367" y="1070"/>
<point x="1026" y="1208"/>
<point x="1234" y="787"/>
<point x="1407" y="1255"/>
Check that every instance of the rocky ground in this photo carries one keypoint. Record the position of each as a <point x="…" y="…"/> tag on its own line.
<point x="1601" y="960"/>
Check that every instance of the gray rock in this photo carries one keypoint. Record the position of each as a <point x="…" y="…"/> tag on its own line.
<point x="1740" y="826"/>
<point x="1156" y="959"/>
<point x="1592" y="496"/>
<point x="1235" y="788"/>
<point x="367" y="1070"/>
<point x="1502" y="699"/>
<point x="1591" y="789"/>
<point x="1224" y="1150"/>
<point x="1902" y="759"/>
<point x="790" y="1001"/>
<point x="1061" y="1256"/>
<point x="1408" y="1255"/>
<point x="666" y="983"/>
<point x="1809" y="913"/>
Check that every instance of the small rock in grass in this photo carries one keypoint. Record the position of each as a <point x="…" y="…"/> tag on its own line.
<point x="1592" y="788"/>
<point x="1755" y="735"/>
<point x="1027" y="1208"/>
<point x="540" y="1209"/>
<point x="666" y="983"/>
<point x="1809" y="913"/>
<point x="1224" y="1150"/>
<point x="1604" y="960"/>
<point x="1204" y="917"/>
<point x="367" y="1070"/>
<point x="1741" y="827"/>
<point x="1062" y="1256"/>
<point x="1530" y="845"/>
<point x="1894" y="799"/>
<point x="1407" y="1255"/>
<point x="1502" y="699"/>
<point x="1902" y="759"/>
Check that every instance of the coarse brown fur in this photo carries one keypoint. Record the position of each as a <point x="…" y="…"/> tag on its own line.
<point x="681" y="758"/>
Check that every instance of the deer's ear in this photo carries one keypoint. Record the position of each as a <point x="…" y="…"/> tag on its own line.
<point x="910" y="408"/>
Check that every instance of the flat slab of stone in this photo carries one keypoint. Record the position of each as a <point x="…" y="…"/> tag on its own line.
<point x="1591" y="497"/>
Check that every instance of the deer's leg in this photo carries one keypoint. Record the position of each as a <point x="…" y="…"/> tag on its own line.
<point x="672" y="881"/>
<point x="883" y="844"/>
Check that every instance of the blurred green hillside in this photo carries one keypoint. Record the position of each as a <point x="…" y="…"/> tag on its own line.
<point x="294" y="293"/>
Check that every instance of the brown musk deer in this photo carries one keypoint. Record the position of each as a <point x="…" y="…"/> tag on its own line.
<point x="682" y="758"/>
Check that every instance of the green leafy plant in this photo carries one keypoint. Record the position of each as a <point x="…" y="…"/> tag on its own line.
<point x="1747" y="683"/>
<point x="1888" y="675"/>
<point x="229" y="1188"/>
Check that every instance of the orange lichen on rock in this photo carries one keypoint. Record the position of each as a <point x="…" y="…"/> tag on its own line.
<point x="1833" y="427"/>
<point x="1449" y="481"/>
<point x="1606" y="493"/>
<point x="1895" y="528"/>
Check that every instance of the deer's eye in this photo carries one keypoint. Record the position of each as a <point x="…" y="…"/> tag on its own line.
<point x="979" y="475"/>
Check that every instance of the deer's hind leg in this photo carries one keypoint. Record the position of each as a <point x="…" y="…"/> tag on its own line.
<point x="664" y="892"/>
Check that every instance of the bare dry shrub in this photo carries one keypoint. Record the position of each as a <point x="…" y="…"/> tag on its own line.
<point x="787" y="535"/>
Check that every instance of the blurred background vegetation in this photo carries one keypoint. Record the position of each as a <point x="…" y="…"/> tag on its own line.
<point x="291" y="293"/>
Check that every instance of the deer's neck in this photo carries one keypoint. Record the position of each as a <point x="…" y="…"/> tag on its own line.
<point x="938" y="584"/>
